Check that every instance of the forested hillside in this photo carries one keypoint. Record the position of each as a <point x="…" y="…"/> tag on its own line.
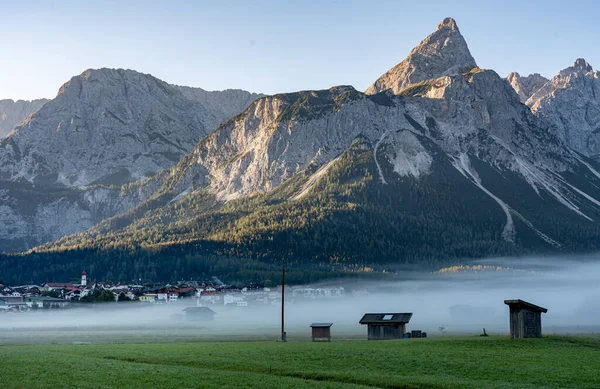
<point x="347" y="223"/>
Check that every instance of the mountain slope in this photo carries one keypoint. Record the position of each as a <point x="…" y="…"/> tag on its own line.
<point x="12" y="113"/>
<point x="407" y="187"/>
<point x="444" y="52"/>
<point x="570" y="102"/>
<point x="106" y="127"/>
<point x="30" y="216"/>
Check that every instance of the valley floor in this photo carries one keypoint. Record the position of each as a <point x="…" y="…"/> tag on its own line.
<point x="467" y="362"/>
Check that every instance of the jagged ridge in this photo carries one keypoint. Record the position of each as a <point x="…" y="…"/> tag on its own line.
<point x="570" y="102"/>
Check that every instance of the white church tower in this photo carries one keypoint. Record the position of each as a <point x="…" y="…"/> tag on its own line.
<point x="83" y="278"/>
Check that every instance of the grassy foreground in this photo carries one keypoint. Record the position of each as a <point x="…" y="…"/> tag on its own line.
<point x="495" y="362"/>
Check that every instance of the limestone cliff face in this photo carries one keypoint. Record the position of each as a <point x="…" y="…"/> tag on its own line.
<point x="105" y="126"/>
<point x="280" y="135"/>
<point x="570" y="101"/>
<point x="526" y="86"/>
<point x="12" y="113"/>
<point x="444" y="52"/>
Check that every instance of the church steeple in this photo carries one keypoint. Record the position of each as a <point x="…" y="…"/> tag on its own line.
<point x="83" y="278"/>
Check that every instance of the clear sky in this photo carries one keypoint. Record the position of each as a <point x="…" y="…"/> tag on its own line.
<point x="275" y="46"/>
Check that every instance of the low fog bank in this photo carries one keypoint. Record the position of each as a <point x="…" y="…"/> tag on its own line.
<point x="463" y="300"/>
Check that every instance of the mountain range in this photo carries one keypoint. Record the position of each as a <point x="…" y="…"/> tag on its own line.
<point x="438" y="161"/>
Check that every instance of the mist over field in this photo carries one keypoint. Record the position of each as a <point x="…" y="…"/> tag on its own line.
<point x="464" y="301"/>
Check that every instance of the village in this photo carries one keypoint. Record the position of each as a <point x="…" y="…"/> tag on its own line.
<point x="196" y="298"/>
<point x="67" y="295"/>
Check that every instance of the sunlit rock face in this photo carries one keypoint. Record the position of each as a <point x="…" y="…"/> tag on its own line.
<point x="12" y="113"/>
<point x="444" y="52"/>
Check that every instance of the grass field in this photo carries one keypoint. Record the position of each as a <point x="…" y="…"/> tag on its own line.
<point x="494" y="362"/>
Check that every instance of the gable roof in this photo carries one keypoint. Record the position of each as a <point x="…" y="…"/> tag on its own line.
<point x="525" y="304"/>
<point x="386" y="318"/>
<point x="321" y="325"/>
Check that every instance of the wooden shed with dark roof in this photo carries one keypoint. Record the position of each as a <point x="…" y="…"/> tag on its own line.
<point x="321" y="332"/>
<point x="383" y="326"/>
<point x="525" y="319"/>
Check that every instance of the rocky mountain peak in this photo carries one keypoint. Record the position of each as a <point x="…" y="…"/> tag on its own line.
<point x="582" y="65"/>
<point x="111" y="126"/>
<point x="445" y="52"/>
<point x="513" y="77"/>
<point x="570" y="102"/>
<point x="579" y="76"/>
<point x="448" y="23"/>
<point x="526" y="86"/>
<point x="94" y="83"/>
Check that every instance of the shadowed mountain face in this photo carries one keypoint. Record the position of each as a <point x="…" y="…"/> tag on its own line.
<point x="12" y="113"/>
<point x="224" y="104"/>
<point x="445" y="164"/>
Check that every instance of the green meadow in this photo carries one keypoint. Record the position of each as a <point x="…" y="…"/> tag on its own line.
<point x="468" y="362"/>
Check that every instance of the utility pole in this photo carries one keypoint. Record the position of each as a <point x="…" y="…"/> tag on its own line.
<point x="283" y="300"/>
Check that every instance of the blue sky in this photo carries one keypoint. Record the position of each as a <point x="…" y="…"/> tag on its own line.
<point x="276" y="46"/>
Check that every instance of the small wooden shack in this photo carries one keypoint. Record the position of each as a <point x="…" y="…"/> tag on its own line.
<point x="199" y="313"/>
<point x="321" y="332"/>
<point x="383" y="326"/>
<point x="525" y="319"/>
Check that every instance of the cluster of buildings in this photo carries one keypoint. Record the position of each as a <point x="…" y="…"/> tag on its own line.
<point x="205" y="293"/>
<point x="525" y="317"/>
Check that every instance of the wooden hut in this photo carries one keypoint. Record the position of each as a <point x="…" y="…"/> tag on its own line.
<point x="383" y="326"/>
<point x="321" y="332"/>
<point x="525" y="319"/>
<point x="199" y="313"/>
